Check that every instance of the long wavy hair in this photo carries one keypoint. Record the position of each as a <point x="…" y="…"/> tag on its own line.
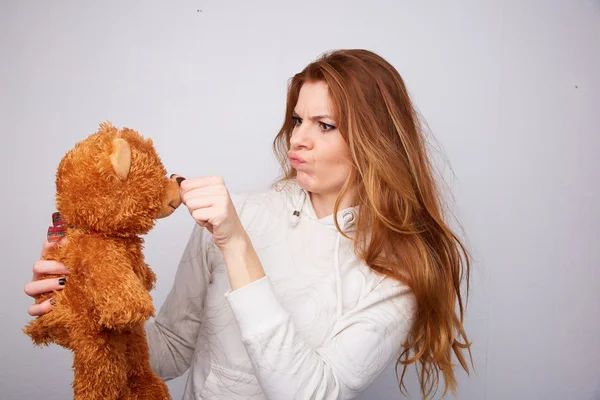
<point x="401" y="229"/>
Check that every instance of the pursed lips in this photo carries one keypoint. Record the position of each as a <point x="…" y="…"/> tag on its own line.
<point x="296" y="157"/>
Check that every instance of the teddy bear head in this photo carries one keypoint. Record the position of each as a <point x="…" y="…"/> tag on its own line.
<point x="113" y="182"/>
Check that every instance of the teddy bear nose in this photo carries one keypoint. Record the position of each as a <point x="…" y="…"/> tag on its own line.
<point x="178" y="178"/>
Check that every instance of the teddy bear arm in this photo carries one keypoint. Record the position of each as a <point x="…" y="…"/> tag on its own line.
<point x="120" y="298"/>
<point x="140" y="268"/>
<point x="150" y="279"/>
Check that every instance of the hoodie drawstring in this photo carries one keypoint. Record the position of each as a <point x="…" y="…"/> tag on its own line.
<point x="338" y="275"/>
<point x="295" y="218"/>
<point x="336" y="261"/>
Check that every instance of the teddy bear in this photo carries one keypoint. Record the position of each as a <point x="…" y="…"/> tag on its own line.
<point x="111" y="187"/>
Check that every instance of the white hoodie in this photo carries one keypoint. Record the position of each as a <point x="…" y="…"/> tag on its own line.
<point x="320" y="325"/>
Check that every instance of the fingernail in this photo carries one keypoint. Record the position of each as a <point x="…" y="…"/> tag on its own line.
<point x="52" y="301"/>
<point x="62" y="281"/>
<point x="179" y="180"/>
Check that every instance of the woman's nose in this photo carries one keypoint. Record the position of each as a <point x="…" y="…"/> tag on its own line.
<point x="300" y="137"/>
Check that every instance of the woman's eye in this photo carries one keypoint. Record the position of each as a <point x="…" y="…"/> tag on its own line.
<point x="297" y="121"/>
<point x="326" y="127"/>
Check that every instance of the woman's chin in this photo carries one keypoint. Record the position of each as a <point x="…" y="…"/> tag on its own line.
<point x="304" y="181"/>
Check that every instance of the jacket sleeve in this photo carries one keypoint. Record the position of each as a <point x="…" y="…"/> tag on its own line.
<point x="173" y="333"/>
<point x="363" y="342"/>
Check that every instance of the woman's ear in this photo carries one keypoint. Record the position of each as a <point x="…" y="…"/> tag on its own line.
<point x="120" y="158"/>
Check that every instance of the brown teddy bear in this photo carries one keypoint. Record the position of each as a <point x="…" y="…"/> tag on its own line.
<point x="110" y="189"/>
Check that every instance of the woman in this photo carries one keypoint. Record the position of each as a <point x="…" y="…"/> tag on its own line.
<point x="310" y="289"/>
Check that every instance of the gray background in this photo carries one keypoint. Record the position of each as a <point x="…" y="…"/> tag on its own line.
<point x="511" y="90"/>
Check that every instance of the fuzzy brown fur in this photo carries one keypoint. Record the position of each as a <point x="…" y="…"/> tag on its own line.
<point x="110" y="188"/>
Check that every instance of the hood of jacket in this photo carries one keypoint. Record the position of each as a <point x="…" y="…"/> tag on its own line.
<point x="301" y="207"/>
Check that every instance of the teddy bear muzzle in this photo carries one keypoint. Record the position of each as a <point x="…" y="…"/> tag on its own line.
<point x="171" y="196"/>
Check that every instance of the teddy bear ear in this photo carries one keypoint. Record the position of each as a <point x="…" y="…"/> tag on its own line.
<point x="120" y="158"/>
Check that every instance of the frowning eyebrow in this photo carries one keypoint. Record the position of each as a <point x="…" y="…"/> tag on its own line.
<point x="315" y="117"/>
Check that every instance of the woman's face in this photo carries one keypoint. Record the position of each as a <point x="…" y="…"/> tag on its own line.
<point x="317" y="150"/>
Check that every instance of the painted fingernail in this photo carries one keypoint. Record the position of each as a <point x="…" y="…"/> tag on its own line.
<point x="179" y="180"/>
<point x="62" y="281"/>
<point x="52" y="301"/>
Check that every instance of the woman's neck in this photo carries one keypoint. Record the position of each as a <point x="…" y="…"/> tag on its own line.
<point x="324" y="204"/>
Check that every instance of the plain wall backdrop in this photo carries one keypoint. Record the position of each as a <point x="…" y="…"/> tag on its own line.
<point x="510" y="90"/>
